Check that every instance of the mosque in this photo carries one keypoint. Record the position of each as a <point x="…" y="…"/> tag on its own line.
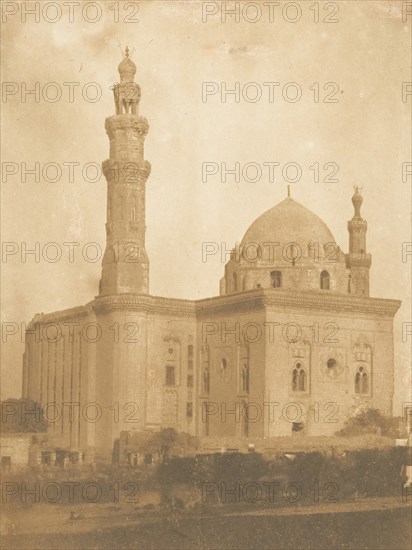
<point x="292" y="345"/>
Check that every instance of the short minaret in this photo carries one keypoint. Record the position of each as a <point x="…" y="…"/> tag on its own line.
<point x="125" y="266"/>
<point x="358" y="261"/>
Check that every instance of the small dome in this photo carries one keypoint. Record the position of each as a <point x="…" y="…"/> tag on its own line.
<point x="287" y="222"/>
<point x="127" y="69"/>
<point x="357" y="201"/>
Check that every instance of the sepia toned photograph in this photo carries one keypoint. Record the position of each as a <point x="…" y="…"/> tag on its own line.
<point x="206" y="258"/>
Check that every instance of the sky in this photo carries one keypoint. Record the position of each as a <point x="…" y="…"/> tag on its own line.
<point x="336" y="99"/>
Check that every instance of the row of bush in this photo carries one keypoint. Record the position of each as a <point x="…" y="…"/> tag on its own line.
<point x="364" y="473"/>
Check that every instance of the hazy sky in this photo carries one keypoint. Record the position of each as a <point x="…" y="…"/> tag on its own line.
<point x="365" y="55"/>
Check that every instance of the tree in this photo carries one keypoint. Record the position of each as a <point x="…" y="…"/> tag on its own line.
<point x="22" y="415"/>
<point x="370" y="421"/>
<point x="159" y="444"/>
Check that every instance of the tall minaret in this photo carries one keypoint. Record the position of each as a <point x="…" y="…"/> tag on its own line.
<point x="358" y="261"/>
<point x="125" y="266"/>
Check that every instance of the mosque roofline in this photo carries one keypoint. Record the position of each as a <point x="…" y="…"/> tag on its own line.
<point x="314" y="300"/>
<point x="249" y="300"/>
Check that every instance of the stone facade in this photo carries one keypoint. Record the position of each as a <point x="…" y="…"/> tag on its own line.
<point x="292" y="345"/>
<point x="22" y="450"/>
<point x="15" y="451"/>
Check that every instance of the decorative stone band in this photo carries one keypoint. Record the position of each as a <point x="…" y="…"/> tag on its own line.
<point x="125" y="122"/>
<point x="247" y="301"/>
<point x="313" y="301"/>
<point x="126" y="227"/>
<point x="357" y="222"/>
<point x="129" y="172"/>
<point x="251" y="300"/>
<point x="142" y="303"/>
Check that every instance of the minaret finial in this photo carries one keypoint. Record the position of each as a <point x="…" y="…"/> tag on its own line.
<point x="288" y="191"/>
<point x="125" y="53"/>
<point x="357" y="200"/>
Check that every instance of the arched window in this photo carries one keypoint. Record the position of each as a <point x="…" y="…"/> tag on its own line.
<point x="234" y="278"/>
<point x="276" y="278"/>
<point x="245" y="378"/>
<point x="324" y="280"/>
<point x="361" y="381"/>
<point x="299" y="378"/>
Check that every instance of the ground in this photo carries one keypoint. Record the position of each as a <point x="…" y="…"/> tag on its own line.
<point x="378" y="523"/>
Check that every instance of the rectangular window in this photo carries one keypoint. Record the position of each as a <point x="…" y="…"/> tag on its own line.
<point x="189" y="409"/>
<point x="276" y="277"/>
<point x="190" y="381"/>
<point x="190" y="350"/>
<point x="170" y="376"/>
<point x="190" y="364"/>
<point x="46" y="457"/>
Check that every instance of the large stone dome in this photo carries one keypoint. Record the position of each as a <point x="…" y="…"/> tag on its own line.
<point x="288" y="222"/>
<point x="287" y="247"/>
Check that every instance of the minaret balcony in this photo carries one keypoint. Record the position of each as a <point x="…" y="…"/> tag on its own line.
<point x="124" y="122"/>
<point x="130" y="172"/>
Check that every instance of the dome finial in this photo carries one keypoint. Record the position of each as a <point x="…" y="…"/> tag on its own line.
<point x="289" y="191"/>
<point x="127" y="51"/>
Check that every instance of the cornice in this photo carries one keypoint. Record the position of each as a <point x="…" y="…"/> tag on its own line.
<point x="60" y="316"/>
<point x="303" y="301"/>
<point x="143" y="303"/>
<point x="242" y="302"/>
